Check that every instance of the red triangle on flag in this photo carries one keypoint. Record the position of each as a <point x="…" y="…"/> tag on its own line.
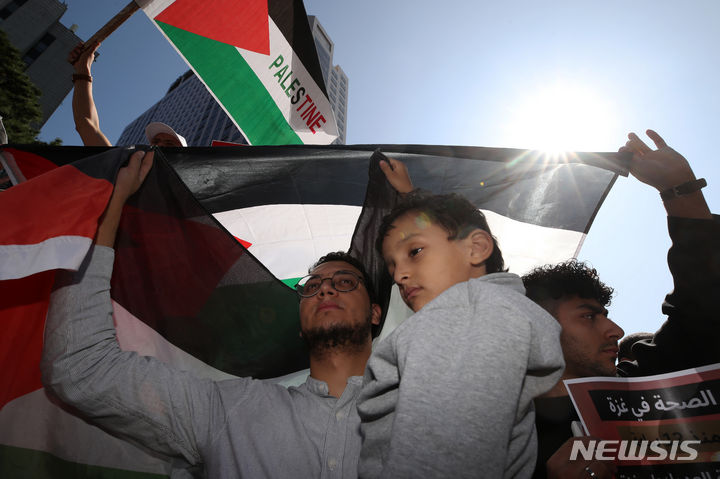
<point x="245" y="244"/>
<point x="243" y="24"/>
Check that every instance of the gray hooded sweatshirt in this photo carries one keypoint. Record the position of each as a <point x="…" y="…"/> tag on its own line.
<point x="449" y="393"/>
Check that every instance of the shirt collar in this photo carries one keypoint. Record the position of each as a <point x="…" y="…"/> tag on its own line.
<point x="321" y="388"/>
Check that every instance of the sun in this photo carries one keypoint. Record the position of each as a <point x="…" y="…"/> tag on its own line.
<point x="562" y="117"/>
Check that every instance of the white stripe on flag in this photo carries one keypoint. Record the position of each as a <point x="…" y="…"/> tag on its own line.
<point x="526" y="246"/>
<point x="282" y="92"/>
<point x="287" y="239"/>
<point x="60" y="252"/>
<point x="152" y="8"/>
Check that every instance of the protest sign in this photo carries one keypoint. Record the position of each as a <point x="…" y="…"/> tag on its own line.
<point x="664" y="426"/>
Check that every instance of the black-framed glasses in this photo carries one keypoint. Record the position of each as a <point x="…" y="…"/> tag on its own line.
<point x="343" y="281"/>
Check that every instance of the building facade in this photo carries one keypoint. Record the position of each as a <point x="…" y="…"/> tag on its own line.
<point x="33" y="27"/>
<point x="338" y="94"/>
<point x="336" y="81"/>
<point x="193" y="112"/>
<point x="189" y="108"/>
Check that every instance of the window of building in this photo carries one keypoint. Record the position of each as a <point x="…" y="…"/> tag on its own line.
<point x="10" y="8"/>
<point x="322" y="40"/>
<point x="38" y="48"/>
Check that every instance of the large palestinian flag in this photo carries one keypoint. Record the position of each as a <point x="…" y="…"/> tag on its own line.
<point x="258" y="59"/>
<point x="206" y="248"/>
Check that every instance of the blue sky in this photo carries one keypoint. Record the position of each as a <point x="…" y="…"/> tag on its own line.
<point x="521" y="74"/>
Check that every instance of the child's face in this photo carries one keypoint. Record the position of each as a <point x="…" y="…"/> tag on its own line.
<point x="422" y="260"/>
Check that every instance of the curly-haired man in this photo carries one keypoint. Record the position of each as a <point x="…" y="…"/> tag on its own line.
<point x="574" y="295"/>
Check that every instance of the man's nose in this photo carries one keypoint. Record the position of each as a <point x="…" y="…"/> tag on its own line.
<point x="326" y="287"/>
<point x="614" y="331"/>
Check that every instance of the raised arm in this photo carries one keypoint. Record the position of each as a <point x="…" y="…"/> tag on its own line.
<point x="665" y="169"/>
<point x="138" y="398"/>
<point x="689" y="336"/>
<point x="397" y="175"/>
<point x="87" y="122"/>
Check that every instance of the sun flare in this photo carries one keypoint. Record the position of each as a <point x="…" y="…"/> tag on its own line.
<point x="562" y="117"/>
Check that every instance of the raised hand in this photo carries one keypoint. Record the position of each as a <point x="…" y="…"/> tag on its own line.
<point x="82" y="58"/>
<point x="130" y="177"/>
<point x="397" y="175"/>
<point x="128" y="181"/>
<point x="662" y="168"/>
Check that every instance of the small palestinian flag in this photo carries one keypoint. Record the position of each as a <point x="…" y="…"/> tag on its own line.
<point x="258" y="59"/>
<point x="184" y="288"/>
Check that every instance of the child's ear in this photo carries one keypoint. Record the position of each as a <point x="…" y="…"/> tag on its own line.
<point x="375" y="314"/>
<point x="481" y="247"/>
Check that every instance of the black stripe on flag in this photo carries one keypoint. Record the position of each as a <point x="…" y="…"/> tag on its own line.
<point x="291" y="18"/>
<point x="556" y="192"/>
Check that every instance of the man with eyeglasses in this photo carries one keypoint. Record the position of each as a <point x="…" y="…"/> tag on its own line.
<point x="234" y="428"/>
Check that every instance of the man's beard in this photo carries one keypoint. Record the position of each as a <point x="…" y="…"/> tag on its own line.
<point x="337" y="338"/>
<point x="583" y="364"/>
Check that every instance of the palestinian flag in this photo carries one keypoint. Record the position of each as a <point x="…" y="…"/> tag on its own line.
<point x="187" y="291"/>
<point x="258" y="59"/>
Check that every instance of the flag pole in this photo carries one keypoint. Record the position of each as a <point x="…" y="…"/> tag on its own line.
<point x="113" y="24"/>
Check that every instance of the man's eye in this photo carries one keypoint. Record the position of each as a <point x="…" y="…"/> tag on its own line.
<point x="312" y="286"/>
<point x="415" y="251"/>
<point x="345" y="281"/>
<point x="590" y="316"/>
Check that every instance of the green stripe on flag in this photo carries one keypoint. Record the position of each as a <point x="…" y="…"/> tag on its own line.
<point x="20" y="463"/>
<point x="235" y="84"/>
<point x="291" y="282"/>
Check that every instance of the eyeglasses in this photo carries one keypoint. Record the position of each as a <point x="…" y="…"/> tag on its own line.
<point x="342" y="281"/>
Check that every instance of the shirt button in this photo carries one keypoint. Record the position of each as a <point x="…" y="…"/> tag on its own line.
<point x="339" y="415"/>
<point x="332" y="464"/>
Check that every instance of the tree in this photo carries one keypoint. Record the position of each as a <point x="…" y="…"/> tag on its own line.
<point x="19" y="104"/>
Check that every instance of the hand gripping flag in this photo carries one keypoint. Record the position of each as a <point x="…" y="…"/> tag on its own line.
<point x="258" y="59"/>
<point x="187" y="291"/>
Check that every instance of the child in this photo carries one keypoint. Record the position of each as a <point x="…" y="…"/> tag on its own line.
<point x="449" y="392"/>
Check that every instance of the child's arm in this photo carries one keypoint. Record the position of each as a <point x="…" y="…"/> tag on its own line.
<point x="397" y="174"/>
